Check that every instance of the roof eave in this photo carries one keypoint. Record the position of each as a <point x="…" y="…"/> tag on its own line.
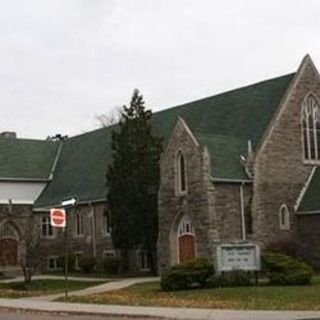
<point x="47" y="208"/>
<point x="230" y="180"/>
<point x="308" y="212"/>
<point x="24" y="179"/>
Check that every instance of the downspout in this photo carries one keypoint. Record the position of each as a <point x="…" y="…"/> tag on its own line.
<point x="93" y="230"/>
<point x="243" y="222"/>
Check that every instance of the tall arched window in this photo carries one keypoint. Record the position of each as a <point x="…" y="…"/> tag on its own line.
<point x="181" y="173"/>
<point x="284" y="218"/>
<point x="311" y="128"/>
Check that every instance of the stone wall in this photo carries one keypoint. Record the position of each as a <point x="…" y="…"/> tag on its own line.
<point x="92" y="242"/>
<point x="308" y="238"/>
<point x="197" y="202"/>
<point x="228" y="210"/>
<point x="280" y="173"/>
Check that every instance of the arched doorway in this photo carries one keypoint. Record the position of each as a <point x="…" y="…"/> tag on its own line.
<point x="8" y="245"/>
<point x="186" y="240"/>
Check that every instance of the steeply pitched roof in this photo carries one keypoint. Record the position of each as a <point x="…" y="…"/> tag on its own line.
<point x="223" y="122"/>
<point x="310" y="200"/>
<point x="81" y="169"/>
<point x="26" y="159"/>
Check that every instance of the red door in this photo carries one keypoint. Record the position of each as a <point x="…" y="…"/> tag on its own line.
<point x="8" y="252"/>
<point x="186" y="248"/>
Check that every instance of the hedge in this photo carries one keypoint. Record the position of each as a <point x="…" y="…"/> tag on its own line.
<point x="193" y="273"/>
<point x="282" y="269"/>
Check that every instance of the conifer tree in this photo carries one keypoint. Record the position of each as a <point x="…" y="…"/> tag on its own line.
<point x="132" y="182"/>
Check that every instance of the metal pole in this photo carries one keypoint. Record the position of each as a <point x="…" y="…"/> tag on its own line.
<point x="66" y="258"/>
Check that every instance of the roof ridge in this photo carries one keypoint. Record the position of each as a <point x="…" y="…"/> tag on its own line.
<point x="192" y="101"/>
<point x="26" y="140"/>
<point x="252" y="85"/>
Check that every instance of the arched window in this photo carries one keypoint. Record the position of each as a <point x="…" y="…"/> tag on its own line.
<point x="8" y="231"/>
<point x="284" y="218"/>
<point x="181" y="173"/>
<point x="311" y="128"/>
<point x="186" y="227"/>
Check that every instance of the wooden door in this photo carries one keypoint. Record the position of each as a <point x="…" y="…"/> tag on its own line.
<point x="8" y="252"/>
<point x="186" y="248"/>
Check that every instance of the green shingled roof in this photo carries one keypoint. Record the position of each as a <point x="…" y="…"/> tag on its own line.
<point x="26" y="159"/>
<point x="310" y="201"/>
<point x="223" y="123"/>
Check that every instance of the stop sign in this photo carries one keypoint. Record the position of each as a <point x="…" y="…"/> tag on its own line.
<point x="58" y="218"/>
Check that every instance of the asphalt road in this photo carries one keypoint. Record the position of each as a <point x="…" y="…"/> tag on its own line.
<point x="21" y="315"/>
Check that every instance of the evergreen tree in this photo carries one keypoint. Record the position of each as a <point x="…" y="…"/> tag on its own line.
<point x="132" y="182"/>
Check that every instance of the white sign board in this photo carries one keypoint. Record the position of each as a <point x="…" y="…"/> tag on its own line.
<point x="70" y="202"/>
<point x="58" y="218"/>
<point x="238" y="256"/>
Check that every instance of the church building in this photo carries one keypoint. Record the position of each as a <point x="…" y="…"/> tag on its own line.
<point x="238" y="166"/>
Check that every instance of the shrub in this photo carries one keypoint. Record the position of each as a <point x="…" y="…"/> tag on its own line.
<point x="71" y="262"/>
<point x="284" y="246"/>
<point x="192" y="273"/>
<point x="111" y="265"/>
<point x="87" y="264"/>
<point x="285" y="270"/>
<point x="235" y="278"/>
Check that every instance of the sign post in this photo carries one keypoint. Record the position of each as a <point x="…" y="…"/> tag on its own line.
<point x="67" y="204"/>
<point x="239" y="256"/>
<point x="59" y="219"/>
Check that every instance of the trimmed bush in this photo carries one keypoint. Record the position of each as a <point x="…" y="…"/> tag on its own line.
<point x="285" y="270"/>
<point x="235" y="278"/>
<point x="87" y="264"/>
<point x="193" y="273"/>
<point x="111" y="265"/>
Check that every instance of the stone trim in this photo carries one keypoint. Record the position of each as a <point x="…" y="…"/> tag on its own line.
<point x="226" y="180"/>
<point x="304" y="189"/>
<point x="55" y="162"/>
<point x="189" y="131"/>
<point x="284" y="101"/>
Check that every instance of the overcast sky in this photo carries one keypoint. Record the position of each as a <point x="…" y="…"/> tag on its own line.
<point x="63" y="62"/>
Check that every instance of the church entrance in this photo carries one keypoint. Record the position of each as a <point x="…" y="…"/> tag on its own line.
<point x="186" y="240"/>
<point x="8" y="245"/>
<point x="8" y="252"/>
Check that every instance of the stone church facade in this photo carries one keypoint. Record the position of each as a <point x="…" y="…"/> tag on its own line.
<point x="275" y="201"/>
<point x="242" y="165"/>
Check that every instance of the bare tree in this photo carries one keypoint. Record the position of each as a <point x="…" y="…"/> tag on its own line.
<point x="32" y="250"/>
<point x="109" y="118"/>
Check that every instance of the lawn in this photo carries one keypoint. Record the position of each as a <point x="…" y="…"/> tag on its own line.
<point x="262" y="297"/>
<point x="40" y="287"/>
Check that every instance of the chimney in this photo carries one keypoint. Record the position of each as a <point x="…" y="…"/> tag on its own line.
<point x="8" y="134"/>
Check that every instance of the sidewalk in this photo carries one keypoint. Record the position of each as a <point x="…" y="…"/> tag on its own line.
<point x="166" y="313"/>
<point x="109" y="286"/>
<point x="52" y="277"/>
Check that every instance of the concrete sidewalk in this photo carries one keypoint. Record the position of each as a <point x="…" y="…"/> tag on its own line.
<point x="109" y="286"/>
<point x="43" y="277"/>
<point x="166" y="313"/>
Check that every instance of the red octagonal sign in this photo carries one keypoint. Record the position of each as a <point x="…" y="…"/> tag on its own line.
<point x="58" y="218"/>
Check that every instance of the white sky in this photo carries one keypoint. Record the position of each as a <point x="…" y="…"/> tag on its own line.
<point x="65" y="61"/>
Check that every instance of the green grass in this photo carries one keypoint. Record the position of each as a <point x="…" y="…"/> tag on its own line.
<point x="261" y="297"/>
<point x="41" y="287"/>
